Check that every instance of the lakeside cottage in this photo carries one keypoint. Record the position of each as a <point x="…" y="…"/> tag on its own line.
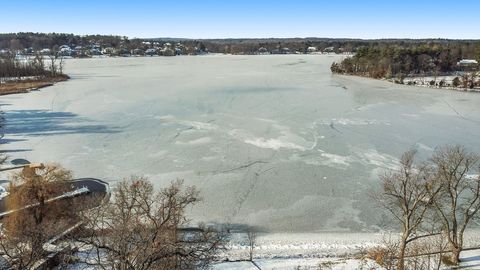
<point x="138" y="52"/>
<point x="329" y="49"/>
<point x="262" y="50"/>
<point x="45" y="51"/>
<point x="468" y="65"/>
<point x="467" y="62"/>
<point x="109" y="50"/>
<point x="151" y="52"/>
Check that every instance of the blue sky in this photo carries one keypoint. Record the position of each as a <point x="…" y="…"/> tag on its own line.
<point x="247" y="18"/>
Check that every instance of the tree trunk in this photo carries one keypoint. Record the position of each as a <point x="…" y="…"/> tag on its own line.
<point x="401" y="255"/>
<point x="456" y="255"/>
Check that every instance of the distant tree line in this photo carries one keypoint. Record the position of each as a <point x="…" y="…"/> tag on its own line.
<point x="397" y="60"/>
<point x="38" y="41"/>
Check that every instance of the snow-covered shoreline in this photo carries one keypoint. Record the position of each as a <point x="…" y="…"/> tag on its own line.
<point x="302" y="245"/>
<point x="438" y="82"/>
<point x="335" y="250"/>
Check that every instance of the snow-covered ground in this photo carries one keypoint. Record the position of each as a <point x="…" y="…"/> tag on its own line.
<point x="320" y="251"/>
<point x="300" y="264"/>
<point x="302" y="245"/>
<point x="445" y="81"/>
<point x="470" y="261"/>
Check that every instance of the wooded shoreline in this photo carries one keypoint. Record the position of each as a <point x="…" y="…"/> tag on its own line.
<point x="25" y="86"/>
<point x="449" y="66"/>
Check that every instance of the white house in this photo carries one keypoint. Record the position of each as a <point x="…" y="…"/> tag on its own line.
<point x="109" y="50"/>
<point x="65" y="51"/>
<point x="45" y="51"/>
<point x="151" y="51"/>
<point x="329" y="50"/>
<point x="468" y="65"/>
<point x="467" y="62"/>
<point x="262" y="50"/>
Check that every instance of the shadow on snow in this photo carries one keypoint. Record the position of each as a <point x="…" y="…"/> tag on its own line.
<point x="46" y="123"/>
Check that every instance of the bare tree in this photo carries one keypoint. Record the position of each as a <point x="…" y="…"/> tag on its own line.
<point x="56" y="62"/>
<point x="33" y="220"/>
<point x="61" y="64"/>
<point x="407" y="196"/>
<point x="143" y="229"/>
<point x="251" y="241"/>
<point x="459" y="200"/>
<point x="53" y="62"/>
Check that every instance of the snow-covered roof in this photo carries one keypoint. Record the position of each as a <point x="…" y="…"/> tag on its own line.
<point x="467" y="62"/>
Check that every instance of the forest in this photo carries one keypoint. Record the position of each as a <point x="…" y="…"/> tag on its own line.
<point x="434" y="48"/>
<point x="394" y="60"/>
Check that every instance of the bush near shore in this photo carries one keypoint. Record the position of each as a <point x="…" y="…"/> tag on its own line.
<point x="23" y="75"/>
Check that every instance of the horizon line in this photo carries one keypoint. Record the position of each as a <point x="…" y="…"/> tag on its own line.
<point x="252" y="38"/>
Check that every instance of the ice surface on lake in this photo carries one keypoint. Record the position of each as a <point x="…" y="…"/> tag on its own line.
<point x="289" y="148"/>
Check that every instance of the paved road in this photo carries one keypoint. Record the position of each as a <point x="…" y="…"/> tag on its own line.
<point x="98" y="190"/>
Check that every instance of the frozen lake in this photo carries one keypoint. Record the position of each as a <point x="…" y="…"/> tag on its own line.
<point x="273" y="141"/>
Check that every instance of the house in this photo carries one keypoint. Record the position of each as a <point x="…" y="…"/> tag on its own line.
<point x="167" y="52"/>
<point x="124" y="52"/>
<point x="329" y="50"/>
<point x="311" y="49"/>
<point x="180" y="49"/>
<point x="276" y="51"/>
<point x="109" y="51"/>
<point x="4" y="52"/>
<point x="45" y="51"/>
<point x="138" y="51"/>
<point x="468" y="64"/>
<point x="262" y="50"/>
<point x="151" y="52"/>
<point x="29" y="51"/>
<point x="95" y="51"/>
<point x="65" y="51"/>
